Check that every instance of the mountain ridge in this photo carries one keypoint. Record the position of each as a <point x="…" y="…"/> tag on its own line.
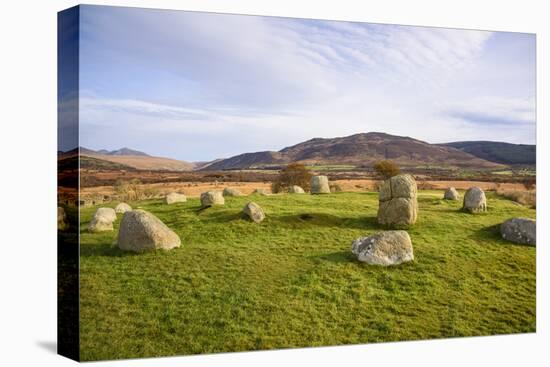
<point x="362" y="149"/>
<point x="498" y="152"/>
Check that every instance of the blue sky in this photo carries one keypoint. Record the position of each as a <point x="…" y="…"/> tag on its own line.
<point x="199" y="86"/>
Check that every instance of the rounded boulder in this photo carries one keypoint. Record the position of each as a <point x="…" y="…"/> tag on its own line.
<point x="475" y="200"/>
<point x="451" y="194"/>
<point x="254" y="212"/>
<point x="122" y="208"/>
<point x="102" y="220"/>
<point x="211" y="198"/>
<point x="229" y="191"/>
<point x="384" y="248"/>
<point x="295" y="189"/>
<point x="520" y="230"/>
<point x="140" y="231"/>
<point x="175" y="197"/>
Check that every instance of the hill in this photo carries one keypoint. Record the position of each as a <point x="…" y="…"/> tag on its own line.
<point x="126" y="158"/>
<point x="498" y="152"/>
<point x="361" y="150"/>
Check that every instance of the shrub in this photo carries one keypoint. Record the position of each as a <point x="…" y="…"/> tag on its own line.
<point x="129" y="190"/>
<point x="293" y="174"/>
<point x="527" y="198"/>
<point x="529" y="183"/>
<point x="386" y="169"/>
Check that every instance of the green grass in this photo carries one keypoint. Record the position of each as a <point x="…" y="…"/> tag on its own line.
<point x="291" y="281"/>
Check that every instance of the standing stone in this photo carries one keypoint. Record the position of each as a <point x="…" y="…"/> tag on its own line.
<point x="175" y="197"/>
<point x="451" y="194"/>
<point x="384" y="248"/>
<point x="62" y="224"/>
<point x="102" y="220"/>
<point x="520" y="230"/>
<point x="475" y="200"/>
<point x="254" y="212"/>
<point x="319" y="185"/>
<point x="122" y="208"/>
<point x="210" y="198"/>
<point x="397" y="202"/>
<point x="141" y="230"/>
<point x="294" y="189"/>
<point x="229" y="191"/>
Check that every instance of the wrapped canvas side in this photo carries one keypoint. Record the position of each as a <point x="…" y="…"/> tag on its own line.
<point x="68" y="185"/>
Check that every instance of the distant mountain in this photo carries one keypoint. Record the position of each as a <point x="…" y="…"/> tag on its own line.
<point x="128" y="158"/>
<point x="498" y="152"/>
<point x="121" y="151"/>
<point x="360" y="149"/>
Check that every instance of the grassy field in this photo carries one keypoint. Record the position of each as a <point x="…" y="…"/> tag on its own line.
<point x="291" y="281"/>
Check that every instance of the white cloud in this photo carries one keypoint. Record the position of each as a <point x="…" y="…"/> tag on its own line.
<point x="277" y="81"/>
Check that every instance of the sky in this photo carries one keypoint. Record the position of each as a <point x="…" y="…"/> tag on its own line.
<point x="199" y="86"/>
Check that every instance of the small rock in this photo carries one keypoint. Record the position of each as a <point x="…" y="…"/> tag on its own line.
<point x="294" y="189"/>
<point x="229" y="191"/>
<point x="175" y="197"/>
<point x="254" y="212"/>
<point x="451" y="194"/>
<point x="520" y="230"/>
<point x="102" y="220"/>
<point x="210" y="198"/>
<point x="263" y="192"/>
<point x="384" y="248"/>
<point x="122" y="208"/>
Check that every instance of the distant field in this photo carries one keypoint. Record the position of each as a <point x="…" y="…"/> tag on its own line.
<point x="331" y="167"/>
<point x="291" y="281"/>
<point x="195" y="188"/>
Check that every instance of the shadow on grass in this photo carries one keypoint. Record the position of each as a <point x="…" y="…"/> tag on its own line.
<point x="104" y="250"/>
<point x="328" y="220"/>
<point x="220" y="216"/>
<point x="492" y="233"/>
<point x="336" y="257"/>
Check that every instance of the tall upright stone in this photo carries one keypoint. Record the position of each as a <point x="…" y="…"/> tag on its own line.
<point x="320" y="185"/>
<point x="397" y="202"/>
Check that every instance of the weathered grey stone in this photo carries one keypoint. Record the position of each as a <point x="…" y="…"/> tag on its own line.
<point x="102" y="220"/>
<point x="398" y="211"/>
<point x="254" y="212"/>
<point x="320" y="185"/>
<point x="210" y="198"/>
<point x="475" y="200"/>
<point x="451" y="194"/>
<point x="141" y="230"/>
<point x="122" y="208"/>
<point x="62" y="223"/>
<point x="397" y="203"/>
<point x="294" y="189"/>
<point x="229" y="191"/>
<point x="384" y="248"/>
<point x="260" y="191"/>
<point x="520" y="230"/>
<point x="175" y="197"/>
